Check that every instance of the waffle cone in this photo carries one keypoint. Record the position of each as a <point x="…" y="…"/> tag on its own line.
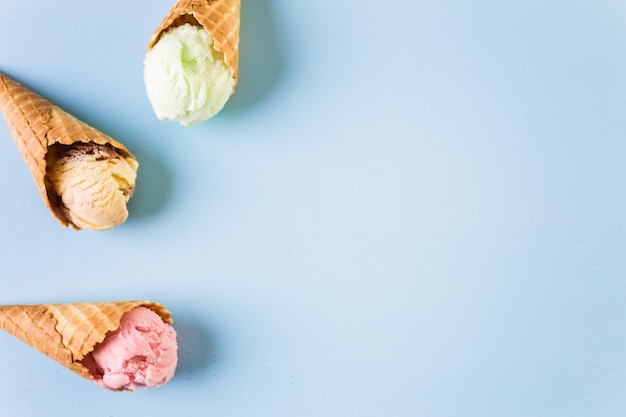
<point x="36" y="124"/>
<point x="221" y="18"/>
<point x="68" y="332"/>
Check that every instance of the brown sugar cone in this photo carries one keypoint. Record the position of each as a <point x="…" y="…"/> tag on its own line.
<point x="36" y="124"/>
<point x="68" y="332"/>
<point x="221" y="18"/>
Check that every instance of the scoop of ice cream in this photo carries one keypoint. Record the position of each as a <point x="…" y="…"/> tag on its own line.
<point x="90" y="183"/>
<point x="141" y="353"/>
<point x="186" y="79"/>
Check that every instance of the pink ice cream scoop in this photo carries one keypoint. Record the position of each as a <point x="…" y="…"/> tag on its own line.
<point x="142" y="353"/>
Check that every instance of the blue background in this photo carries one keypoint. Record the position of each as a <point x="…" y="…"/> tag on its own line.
<point x="408" y="209"/>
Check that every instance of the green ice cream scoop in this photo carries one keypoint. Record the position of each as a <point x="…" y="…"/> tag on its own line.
<point x="187" y="80"/>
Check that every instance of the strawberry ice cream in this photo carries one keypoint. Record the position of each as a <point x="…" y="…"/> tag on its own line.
<point x="142" y="353"/>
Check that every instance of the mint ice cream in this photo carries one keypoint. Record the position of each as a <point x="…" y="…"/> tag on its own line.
<point x="187" y="80"/>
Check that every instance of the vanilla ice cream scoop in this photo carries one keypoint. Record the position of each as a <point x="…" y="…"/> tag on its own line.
<point x="141" y="353"/>
<point x="90" y="184"/>
<point x="186" y="78"/>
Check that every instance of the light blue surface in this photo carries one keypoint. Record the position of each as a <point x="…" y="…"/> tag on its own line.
<point x="408" y="209"/>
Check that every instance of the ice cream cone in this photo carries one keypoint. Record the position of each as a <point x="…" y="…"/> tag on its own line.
<point x="68" y="332"/>
<point x="36" y="124"/>
<point x="221" y="18"/>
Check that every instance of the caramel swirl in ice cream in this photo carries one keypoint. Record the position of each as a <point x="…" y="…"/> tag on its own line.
<point x="90" y="184"/>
